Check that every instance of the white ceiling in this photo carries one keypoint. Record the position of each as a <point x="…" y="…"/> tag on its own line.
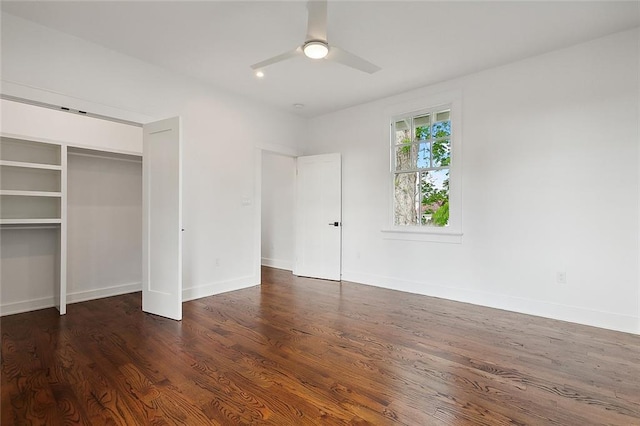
<point x="416" y="43"/>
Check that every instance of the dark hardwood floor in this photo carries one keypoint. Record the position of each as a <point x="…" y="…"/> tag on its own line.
<point x="299" y="351"/>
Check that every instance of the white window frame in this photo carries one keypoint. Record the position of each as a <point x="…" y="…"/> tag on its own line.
<point x="452" y="233"/>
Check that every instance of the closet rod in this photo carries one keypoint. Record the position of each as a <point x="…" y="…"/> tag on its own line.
<point x="105" y="157"/>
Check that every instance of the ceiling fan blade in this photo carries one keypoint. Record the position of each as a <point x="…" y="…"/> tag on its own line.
<point x="349" y="59"/>
<point x="317" y="24"/>
<point x="282" y="57"/>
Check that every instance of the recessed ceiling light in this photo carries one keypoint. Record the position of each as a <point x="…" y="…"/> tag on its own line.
<point x="298" y="106"/>
<point x="259" y="74"/>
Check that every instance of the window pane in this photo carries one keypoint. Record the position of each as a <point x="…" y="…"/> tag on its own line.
<point x="406" y="198"/>
<point x="406" y="157"/>
<point x="442" y="129"/>
<point x="402" y="137"/>
<point x="443" y="115"/>
<point x="402" y="130"/>
<point x="402" y="125"/>
<point x="422" y="120"/>
<point x="422" y="127"/>
<point x="424" y="155"/>
<point x="434" y="198"/>
<point x="441" y="152"/>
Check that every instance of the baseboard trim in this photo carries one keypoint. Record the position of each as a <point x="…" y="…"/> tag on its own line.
<point x="287" y="265"/>
<point x="574" y="314"/>
<point x="83" y="296"/>
<point x="27" y="306"/>
<point x="218" y="287"/>
<point x="74" y="297"/>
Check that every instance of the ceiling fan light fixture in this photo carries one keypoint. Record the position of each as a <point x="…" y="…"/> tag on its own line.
<point x="315" y="49"/>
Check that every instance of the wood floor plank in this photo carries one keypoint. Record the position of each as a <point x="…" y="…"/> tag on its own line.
<point x="299" y="351"/>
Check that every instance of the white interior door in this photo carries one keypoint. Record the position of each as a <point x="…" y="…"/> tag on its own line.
<point x="162" y="219"/>
<point x="318" y="216"/>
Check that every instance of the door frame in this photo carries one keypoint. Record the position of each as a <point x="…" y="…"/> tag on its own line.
<point x="258" y="153"/>
<point x="257" y="217"/>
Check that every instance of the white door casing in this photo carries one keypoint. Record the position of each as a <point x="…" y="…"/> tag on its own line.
<point x="162" y="219"/>
<point x="318" y="217"/>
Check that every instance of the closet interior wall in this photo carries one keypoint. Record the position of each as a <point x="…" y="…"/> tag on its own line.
<point x="104" y="224"/>
<point x="29" y="267"/>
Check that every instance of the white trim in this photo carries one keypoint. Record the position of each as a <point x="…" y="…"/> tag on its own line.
<point x="217" y="288"/>
<point x="18" y="92"/>
<point x="575" y="314"/>
<point x="258" y="154"/>
<point x="66" y="109"/>
<point x="287" y="151"/>
<point x="422" y="233"/>
<point x="278" y="263"/>
<point x="27" y="306"/>
<point x="257" y="218"/>
<point x="75" y="297"/>
<point x="116" y="290"/>
<point x="62" y="278"/>
<point x="638" y="254"/>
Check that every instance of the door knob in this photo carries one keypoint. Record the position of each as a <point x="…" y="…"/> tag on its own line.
<point x="334" y="223"/>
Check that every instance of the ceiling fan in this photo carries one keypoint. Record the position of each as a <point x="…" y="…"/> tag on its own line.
<point x="316" y="45"/>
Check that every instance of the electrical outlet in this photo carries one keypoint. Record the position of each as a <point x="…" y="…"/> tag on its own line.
<point x="561" y="277"/>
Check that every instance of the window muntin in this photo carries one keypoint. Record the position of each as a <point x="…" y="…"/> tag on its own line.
<point x="421" y="153"/>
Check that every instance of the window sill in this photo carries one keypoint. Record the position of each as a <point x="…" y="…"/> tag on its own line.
<point x="425" y="235"/>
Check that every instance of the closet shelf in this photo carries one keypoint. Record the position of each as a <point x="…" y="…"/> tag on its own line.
<point x="30" y="165"/>
<point x="31" y="193"/>
<point x="29" y="221"/>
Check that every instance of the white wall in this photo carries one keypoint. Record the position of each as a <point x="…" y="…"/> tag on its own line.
<point x="278" y="185"/>
<point x="219" y="133"/>
<point x="549" y="183"/>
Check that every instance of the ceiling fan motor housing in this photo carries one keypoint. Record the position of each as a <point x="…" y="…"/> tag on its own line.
<point x="315" y="49"/>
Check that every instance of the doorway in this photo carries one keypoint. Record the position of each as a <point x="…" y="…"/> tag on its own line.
<point x="277" y="210"/>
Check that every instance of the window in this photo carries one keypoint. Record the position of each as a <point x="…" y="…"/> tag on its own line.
<point x="421" y="162"/>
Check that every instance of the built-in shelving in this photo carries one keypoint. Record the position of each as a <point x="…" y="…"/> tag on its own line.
<point x="33" y="196"/>
<point x="26" y="165"/>
<point x="31" y="188"/>
<point x="43" y="221"/>
<point x="30" y="193"/>
<point x="87" y="234"/>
